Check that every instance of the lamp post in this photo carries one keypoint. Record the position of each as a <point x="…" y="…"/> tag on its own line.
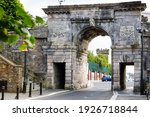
<point x="142" y="31"/>
<point x="25" y="71"/>
<point x="60" y="1"/>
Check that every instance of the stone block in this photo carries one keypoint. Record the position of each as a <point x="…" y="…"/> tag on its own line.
<point x="59" y="59"/>
<point x="68" y="71"/>
<point x="68" y="60"/>
<point x="115" y="79"/>
<point x="68" y="74"/>
<point x="59" y="53"/>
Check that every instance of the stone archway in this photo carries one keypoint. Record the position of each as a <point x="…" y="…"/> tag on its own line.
<point x="82" y="40"/>
<point x="70" y="27"/>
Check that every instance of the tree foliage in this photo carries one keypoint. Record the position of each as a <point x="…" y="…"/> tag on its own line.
<point x="15" y="22"/>
<point x="99" y="59"/>
<point x="91" y="56"/>
<point x="109" y="69"/>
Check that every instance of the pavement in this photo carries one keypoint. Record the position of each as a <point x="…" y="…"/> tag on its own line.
<point x="117" y="95"/>
<point x="127" y="94"/>
<point x="34" y="95"/>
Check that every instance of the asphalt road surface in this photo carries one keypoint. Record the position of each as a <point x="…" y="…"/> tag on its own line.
<point x="98" y="90"/>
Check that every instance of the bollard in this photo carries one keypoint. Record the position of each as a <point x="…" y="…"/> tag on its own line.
<point x="30" y="89"/>
<point x="33" y="85"/>
<point x="24" y="87"/>
<point x="40" y="88"/>
<point x="3" y="89"/>
<point x="17" y="93"/>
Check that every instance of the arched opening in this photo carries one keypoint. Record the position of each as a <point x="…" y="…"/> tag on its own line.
<point x="100" y="42"/>
<point x="84" y="38"/>
<point x="99" y="74"/>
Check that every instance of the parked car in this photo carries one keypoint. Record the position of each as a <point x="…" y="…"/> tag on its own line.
<point x="106" y="78"/>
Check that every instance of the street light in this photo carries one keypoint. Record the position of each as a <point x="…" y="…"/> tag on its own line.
<point x="25" y="71"/>
<point x="60" y="1"/>
<point x="142" y="31"/>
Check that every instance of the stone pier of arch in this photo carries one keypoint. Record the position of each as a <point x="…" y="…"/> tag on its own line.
<point x="72" y="27"/>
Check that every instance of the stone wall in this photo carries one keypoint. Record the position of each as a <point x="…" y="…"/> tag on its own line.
<point x="146" y="42"/>
<point x="11" y="73"/>
<point x="36" y="57"/>
<point x="64" y="55"/>
<point x="127" y="56"/>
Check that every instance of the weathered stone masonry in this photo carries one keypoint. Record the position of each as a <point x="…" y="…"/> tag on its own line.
<point x="72" y="27"/>
<point x="11" y="73"/>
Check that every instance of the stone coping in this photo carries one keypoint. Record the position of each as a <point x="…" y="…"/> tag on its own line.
<point x="134" y="5"/>
<point x="9" y="62"/>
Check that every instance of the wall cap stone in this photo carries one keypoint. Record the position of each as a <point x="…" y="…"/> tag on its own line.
<point x="123" y="6"/>
<point x="9" y="62"/>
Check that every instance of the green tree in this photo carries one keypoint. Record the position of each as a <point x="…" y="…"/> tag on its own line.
<point x="15" y="22"/>
<point x="91" y="56"/>
<point x="109" y="69"/>
<point x="101" y="60"/>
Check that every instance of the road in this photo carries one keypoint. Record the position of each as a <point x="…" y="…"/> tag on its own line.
<point x="97" y="91"/>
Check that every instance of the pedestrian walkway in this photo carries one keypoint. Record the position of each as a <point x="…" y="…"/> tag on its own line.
<point x="131" y="97"/>
<point x="34" y="94"/>
<point x="127" y="95"/>
<point x="117" y="95"/>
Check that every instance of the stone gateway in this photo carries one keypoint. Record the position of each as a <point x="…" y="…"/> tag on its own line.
<point x="72" y="27"/>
